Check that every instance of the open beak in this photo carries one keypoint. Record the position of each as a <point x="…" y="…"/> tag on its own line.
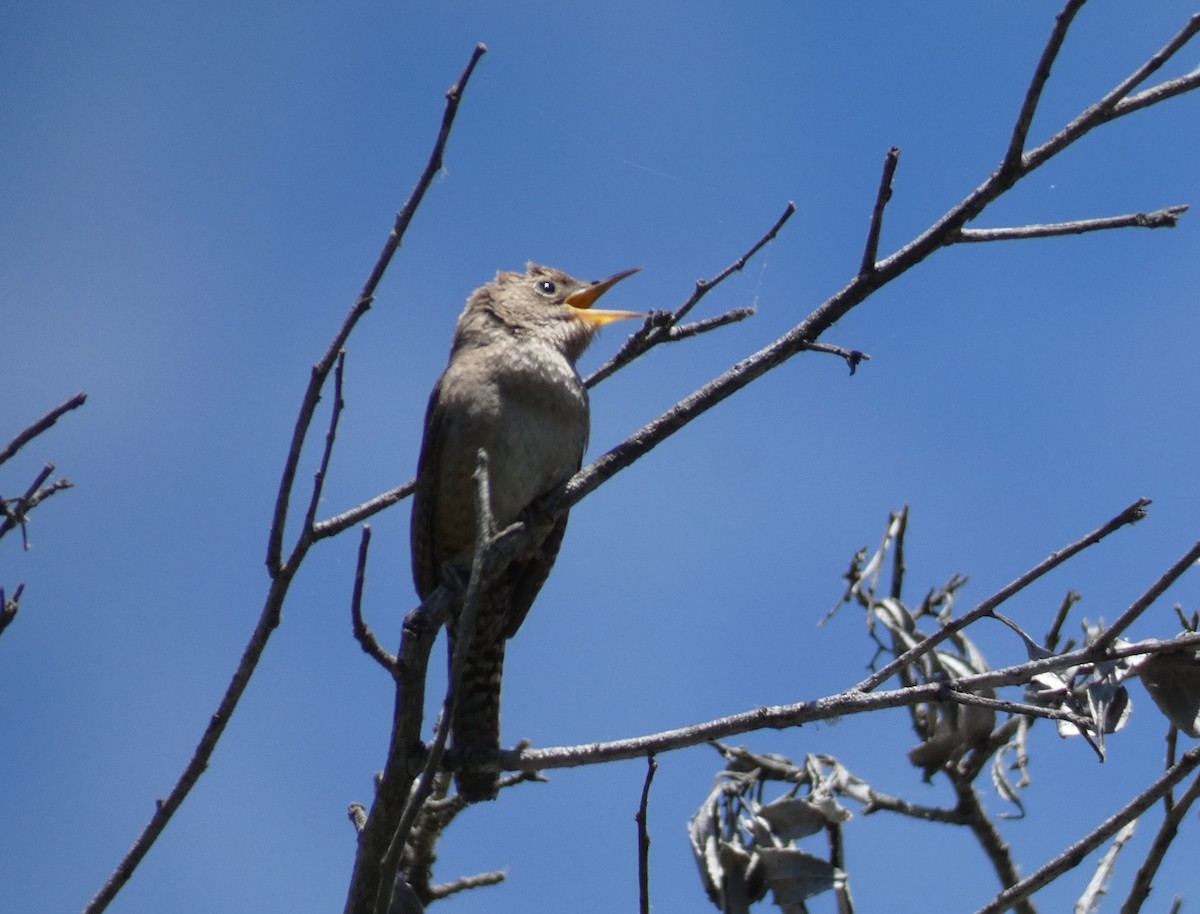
<point x="583" y="299"/>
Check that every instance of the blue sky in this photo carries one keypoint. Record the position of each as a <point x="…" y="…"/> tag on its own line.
<point x="193" y="194"/>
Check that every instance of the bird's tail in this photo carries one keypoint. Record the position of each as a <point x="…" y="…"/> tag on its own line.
<point x="475" y="727"/>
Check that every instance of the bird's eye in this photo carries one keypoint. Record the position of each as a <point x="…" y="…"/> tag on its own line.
<point x="546" y="287"/>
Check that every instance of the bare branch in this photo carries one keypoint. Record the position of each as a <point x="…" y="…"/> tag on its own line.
<point x="446" y="889"/>
<point x="1131" y="515"/>
<point x="990" y="840"/>
<point x="704" y="287"/>
<point x="1077" y="852"/>
<point x="881" y="201"/>
<point x="282" y="574"/>
<point x="853" y="357"/>
<point x="1097" y="887"/>
<point x="1041" y="74"/>
<point x="1142" y="603"/>
<point x="1156" y="94"/>
<point x="643" y="831"/>
<point x="660" y="327"/>
<point x="1060" y="619"/>
<point x="24" y="437"/>
<point x="335" y="525"/>
<point x="14" y="511"/>
<point x="1162" y="218"/>
<point x="844" y="704"/>
<point x="1115" y="104"/>
<point x="1163" y="840"/>
<point x="320" y="371"/>
<point x="432" y="167"/>
<point x="683" y="331"/>
<point x="335" y="416"/>
<point x="485" y="526"/>
<point x="362" y="632"/>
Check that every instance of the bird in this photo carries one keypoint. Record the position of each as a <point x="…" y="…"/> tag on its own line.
<point x="511" y="388"/>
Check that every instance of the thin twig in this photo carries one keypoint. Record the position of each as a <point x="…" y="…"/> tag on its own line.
<point x="695" y="328"/>
<point x="1161" y="218"/>
<point x="1156" y="94"/>
<point x="958" y="696"/>
<point x="446" y="889"/>
<point x="871" y="251"/>
<point x="660" y="326"/>
<point x="1077" y="852"/>
<point x="1142" y="603"/>
<point x="990" y="839"/>
<point x="281" y="574"/>
<point x="1060" y="619"/>
<point x="344" y="521"/>
<point x="362" y="632"/>
<point x="1132" y="514"/>
<point x="335" y="415"/>
<point x="27" y="435"/>
<point x="14" y="511"/>
<point x="643" y="832"/>
<point x="852" y="357"/>
<point x="1163" y="840"/>
<point x="703" y="287"/>
<point x="320" y="371"/>
<point x="844" y="704"/>
<point x="1115" y="104"/>
<point x="1097" y="887"/>
<point x="1041" y="74"/>
<point x="432" y="167"/>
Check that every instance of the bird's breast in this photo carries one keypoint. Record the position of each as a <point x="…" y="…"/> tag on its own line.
<point x="529" y="410"/>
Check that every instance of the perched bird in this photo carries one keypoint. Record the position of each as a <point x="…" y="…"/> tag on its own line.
<point x="511" y="388"/>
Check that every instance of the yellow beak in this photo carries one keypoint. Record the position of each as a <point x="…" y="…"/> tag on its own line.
<point x="583" y="299"/>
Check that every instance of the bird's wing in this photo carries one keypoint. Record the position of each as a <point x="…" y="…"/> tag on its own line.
<point x="424" y="562"/>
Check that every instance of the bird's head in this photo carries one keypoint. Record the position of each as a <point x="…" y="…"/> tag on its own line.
<point x="546" y="304"/>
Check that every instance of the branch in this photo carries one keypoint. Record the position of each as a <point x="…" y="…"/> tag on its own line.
<point x="362" y="632"/>
<point x="335" y="416"/>
<point x="1131" y="515"/>
<point x="446" y="889"/>
<point x="1161" y="218"/>
<point x="366" y="298"/>
<point x="1075" y="854"/>
<point x="14" y="511"/>
<point x="405" y="753"/>
<point x="485" y="525"/>
<point x="661" y="326"/>
<point x="1158" y="850"/>
<point x="844" y="704"/>
<point x="1041" y="74"/>
<point x="24" y="437"/>
<point x="1115" y="104"/>
<point x="994" y="846"/>
<point x="1097" y="887"/>
<point x="1142" y="603"/>
<point x="1159" y="93"/>
<point x="643" y="832"/>
<point x="281" y="574"/>
<point x="344" y="521"/>
<point x="881" y="201"/>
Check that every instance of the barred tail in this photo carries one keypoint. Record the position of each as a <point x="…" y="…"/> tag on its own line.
<point x="475" y="727"/>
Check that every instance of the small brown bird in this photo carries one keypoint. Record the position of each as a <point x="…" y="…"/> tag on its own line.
<point x="511" y="388"/>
